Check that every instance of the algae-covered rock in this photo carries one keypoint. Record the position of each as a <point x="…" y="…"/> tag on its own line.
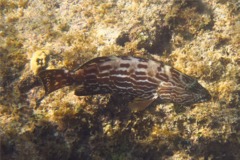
<point x="198" y="37"/>
<point x="154" y="37"/>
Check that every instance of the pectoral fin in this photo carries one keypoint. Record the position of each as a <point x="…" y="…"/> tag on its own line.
<point x="82" y="90"/>
<point x="139" y="104"/>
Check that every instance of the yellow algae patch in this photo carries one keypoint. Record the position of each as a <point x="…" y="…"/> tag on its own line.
<point x="163" y="132"/>
<point x="39" y="60"/>
<point x="226" y="87"/>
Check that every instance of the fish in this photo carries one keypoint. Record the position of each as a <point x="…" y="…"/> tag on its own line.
<point x="144" y="80"/>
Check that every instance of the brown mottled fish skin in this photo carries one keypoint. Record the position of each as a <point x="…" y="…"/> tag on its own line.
<point x="142" y="79"/>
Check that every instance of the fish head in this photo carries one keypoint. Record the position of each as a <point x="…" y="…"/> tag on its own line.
<point x="197" y="94"/>
<point x="184" y="91"/>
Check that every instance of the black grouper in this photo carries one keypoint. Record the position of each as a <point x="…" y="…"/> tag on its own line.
<point x="141" y="79"/>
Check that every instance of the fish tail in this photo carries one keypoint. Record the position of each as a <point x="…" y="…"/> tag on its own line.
<point x="55" y="79"/>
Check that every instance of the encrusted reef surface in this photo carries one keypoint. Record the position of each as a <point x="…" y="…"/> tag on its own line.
<point x="198" y="37"/>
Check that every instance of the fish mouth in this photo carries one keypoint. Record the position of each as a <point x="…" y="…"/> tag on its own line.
<point x="199" y="98"/>
<point x="204" y="97"/>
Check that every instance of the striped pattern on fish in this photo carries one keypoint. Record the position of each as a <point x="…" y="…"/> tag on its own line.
<point x="142" y="79"/>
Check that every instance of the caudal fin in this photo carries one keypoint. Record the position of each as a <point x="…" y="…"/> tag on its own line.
<point x="55" y="79"/>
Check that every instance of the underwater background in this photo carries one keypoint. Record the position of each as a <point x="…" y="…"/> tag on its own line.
<point x="201" y="38"/>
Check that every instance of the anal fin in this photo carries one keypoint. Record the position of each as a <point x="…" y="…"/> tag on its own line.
<point x="139" y="104"/>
